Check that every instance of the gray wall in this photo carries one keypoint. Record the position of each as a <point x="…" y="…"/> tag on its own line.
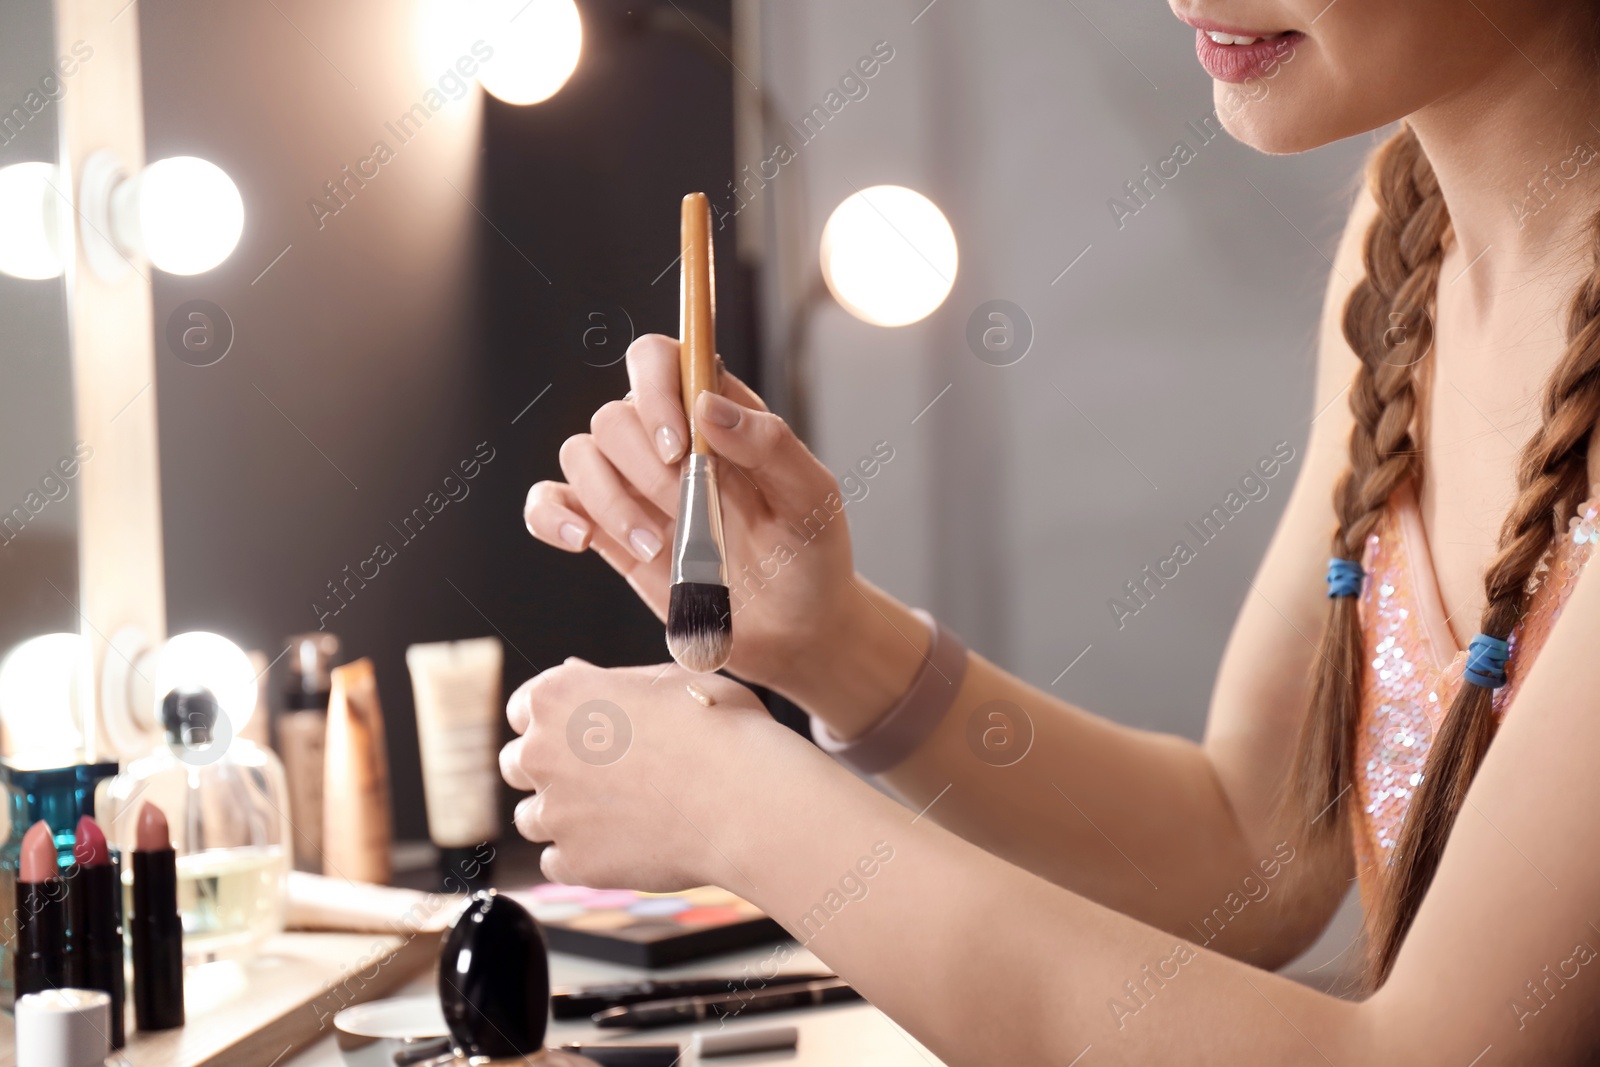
<point x="1174" y="353"/>
<point x="1171" y="356"/>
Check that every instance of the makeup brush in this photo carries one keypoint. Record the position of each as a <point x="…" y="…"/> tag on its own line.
<point x="700" y="613"/>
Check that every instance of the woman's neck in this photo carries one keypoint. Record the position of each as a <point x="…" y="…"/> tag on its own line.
<point x="1517" y="157"/>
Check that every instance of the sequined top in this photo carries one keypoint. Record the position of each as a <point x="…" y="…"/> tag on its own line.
<point x="1416" y="665"/>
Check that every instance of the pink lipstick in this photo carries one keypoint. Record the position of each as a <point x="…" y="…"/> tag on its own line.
<point x="94" y="904"/>
<point x="155" y="931"/>
<point x="41" y="955"/>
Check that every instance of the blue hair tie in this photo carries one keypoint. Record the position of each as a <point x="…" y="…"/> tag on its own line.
<point x="1486" y="662"/>
<point x="1344" y="577"/>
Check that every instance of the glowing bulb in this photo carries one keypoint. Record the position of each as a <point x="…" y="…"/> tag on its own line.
<point x="40" y="683"/>
<point x="212" y="662"/>
<point x="443" y="32"/>
<point x="187" y="213"/>
<point x="536" y="46"/>
<point x="888" y="255"/>
<point x="29" y="245"/>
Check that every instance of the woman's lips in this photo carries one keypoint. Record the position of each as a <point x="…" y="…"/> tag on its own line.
<point x="1230" y="62"/>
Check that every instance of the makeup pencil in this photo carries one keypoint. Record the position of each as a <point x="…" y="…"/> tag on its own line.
<point x="629" y="1055"/>
<point x="155" y="931"/>
<point x="727" y="1006"/>
<point x="41" y="953"/>
<point x="584" y="1001"/>
<point x="700" y="612"/>
<point x="95" y="904"/>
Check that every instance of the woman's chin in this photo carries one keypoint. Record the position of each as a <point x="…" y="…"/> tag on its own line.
<point x="1278" y="122"/>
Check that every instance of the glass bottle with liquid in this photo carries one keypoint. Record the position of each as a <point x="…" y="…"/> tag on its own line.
<point x="225" y="802"/>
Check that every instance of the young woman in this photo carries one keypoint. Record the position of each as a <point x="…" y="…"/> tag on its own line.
<point x="1412" y="714"/>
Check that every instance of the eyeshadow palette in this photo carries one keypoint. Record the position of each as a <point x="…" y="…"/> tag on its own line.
<point x="647" y="929"/>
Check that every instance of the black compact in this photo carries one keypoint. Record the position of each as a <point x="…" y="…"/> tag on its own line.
<point x="494" y="979"/>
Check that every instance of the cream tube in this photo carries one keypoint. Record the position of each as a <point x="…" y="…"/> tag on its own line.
<point x="457" y="690"/>
<point x="357" y="828"/>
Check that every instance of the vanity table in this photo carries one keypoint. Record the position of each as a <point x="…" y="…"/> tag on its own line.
<point x="276" y="1011"/>
<point x="842" y="1035"/>
<point x="240" y="1015"/>
<point x="257" y="1015"/>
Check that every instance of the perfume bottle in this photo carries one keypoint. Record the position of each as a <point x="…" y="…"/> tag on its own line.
<point x="225" y="802"/>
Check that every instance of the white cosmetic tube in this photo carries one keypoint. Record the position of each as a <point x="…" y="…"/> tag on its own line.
<point x="457" y="689"/>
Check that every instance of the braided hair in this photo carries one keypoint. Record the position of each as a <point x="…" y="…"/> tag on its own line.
<point x="1388" y="324"/>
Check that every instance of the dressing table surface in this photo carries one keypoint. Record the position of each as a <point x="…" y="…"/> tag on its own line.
<point x="241" y="1014"/>
<point x="842" y="1035"/>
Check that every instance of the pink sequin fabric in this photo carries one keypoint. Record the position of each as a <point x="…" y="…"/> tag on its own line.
<point x="1415" y="665"/>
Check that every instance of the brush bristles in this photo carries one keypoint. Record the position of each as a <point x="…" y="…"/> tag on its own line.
<point x="700" y="626"/>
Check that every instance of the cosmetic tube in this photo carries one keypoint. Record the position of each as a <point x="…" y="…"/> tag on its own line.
<point x="302" y="730"/>
<point x="357" y="832"/>
<point x="457" y="689"/>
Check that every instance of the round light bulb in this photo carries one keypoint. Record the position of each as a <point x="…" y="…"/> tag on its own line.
<point x="536" y="47"/>
<point x="28" y="240"/>
<point x="40" y="683"/>
<point x="442" y="32"/>
<point x="213" y="662"/>
<point x="189" y="214"/>
<point x="889" y="255"/>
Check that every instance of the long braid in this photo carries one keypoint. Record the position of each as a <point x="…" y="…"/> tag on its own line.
<point x="1552" y="478"/>
<point x="1388" y="324"/>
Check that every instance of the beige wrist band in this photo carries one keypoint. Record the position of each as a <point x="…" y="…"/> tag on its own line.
<point x="914" y="717"/>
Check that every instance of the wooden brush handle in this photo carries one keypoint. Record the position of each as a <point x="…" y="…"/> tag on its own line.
<point x="697" y="312"/>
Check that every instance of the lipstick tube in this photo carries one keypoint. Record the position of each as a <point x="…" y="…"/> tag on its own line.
<point x="94" y="904"/>
<point x="154" y="928"/>
<point x="41" y="937"/>
<point x="41" y="949"/>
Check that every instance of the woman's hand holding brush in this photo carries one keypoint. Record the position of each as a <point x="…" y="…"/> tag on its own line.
<point x="801" y="626"/>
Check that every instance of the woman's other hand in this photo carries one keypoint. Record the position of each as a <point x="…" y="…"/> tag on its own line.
<point x="635" y="782"/>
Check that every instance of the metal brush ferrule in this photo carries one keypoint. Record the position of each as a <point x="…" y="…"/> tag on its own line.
<point x="697" y="543"/>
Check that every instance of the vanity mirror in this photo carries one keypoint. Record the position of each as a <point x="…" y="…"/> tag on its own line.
<point x="39" y="462"/>
<point x="84" y="223"/>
